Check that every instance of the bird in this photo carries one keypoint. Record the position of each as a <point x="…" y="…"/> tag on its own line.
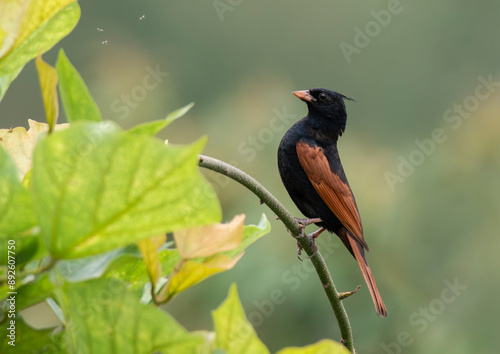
<point x="311" y="171"/>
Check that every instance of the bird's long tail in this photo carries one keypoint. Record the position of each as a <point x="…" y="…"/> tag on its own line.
<point x="359" y="254"/>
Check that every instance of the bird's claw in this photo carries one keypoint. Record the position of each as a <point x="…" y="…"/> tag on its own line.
<point x="306" y="222"/>
<point x="299" y="251"/>
<point x="311" y="237"/>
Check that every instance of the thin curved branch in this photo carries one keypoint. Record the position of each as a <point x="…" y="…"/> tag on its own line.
<point x="297" y="232"/>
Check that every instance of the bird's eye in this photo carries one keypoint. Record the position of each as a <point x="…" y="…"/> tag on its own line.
<point x="323" y="97"/>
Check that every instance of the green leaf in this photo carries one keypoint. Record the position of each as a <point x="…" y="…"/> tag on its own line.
<point x="75" y="96"/>
<point x="81" y="269"/>
<point x="169" y="259"/>
<point x="34" y="292"/>
<point x="234" y="334"/>
<point x="97" y="188"/>
<point x="252" y="234"/>
<point x="103" y="316"/>
<point x="48" y="83"/>
<point x="130" y="267"/>
<point x="123" y="263"/>
<point x="29" y="246"/>
<point x="16" y="211"/>
<point x="29" y="339"/>
<point x="325" y="346"/>
<point x="30" y="28"/>
<point x="154" y="127"/>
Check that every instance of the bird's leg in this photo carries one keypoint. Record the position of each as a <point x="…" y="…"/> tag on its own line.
<point x="312" y="237"/>
<point x="303" y="223"/>
<point x="317" y="233"/>
<point x="299" y="247"/>
<point x="306" y="222"/>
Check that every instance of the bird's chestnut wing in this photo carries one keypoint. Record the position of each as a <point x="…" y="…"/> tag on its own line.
<point x="336" y="194"/>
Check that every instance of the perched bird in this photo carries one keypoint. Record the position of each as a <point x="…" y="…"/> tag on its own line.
<point x="310" y="168"/>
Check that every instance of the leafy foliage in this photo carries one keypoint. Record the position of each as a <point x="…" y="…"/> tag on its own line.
<point x="29" y="28"/>
<point x="130" y="327"/>
<point x="235" y="334"/>
<point x="123" y="185"/>
<point x="75" y="96"/>
<point x="89" y="207"/>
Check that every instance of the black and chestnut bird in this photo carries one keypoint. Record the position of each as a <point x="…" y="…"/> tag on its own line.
<point x="310" y="168"/>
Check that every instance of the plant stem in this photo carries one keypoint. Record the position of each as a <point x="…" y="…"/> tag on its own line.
<point x="306" y="242"/>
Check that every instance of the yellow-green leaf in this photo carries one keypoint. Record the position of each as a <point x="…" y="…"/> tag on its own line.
<point x="252" y="233"/>
<point x="234" y="334"/>
<point x="189" y="271"/>
<point x="96" y="188"/>
<point x="149" y="250"/>
<point x="48" y="83"/>
<point x="192" y="272"/>
<point x="104" y="316"/>
<point x="325" y="346"/>
<point x="208" y="240"/>
<point x="154" y="127"/>
<point x="29" y="28"/>
<point x="75" y="96"/>
<point x="20" y="143"/>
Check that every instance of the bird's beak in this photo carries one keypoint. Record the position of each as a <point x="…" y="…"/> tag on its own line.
<point x="304" y="96"/>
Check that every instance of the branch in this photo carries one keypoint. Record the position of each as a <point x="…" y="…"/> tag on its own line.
<point x="306" y="242"/>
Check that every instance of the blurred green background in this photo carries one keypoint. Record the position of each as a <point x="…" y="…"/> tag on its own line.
<point x="431" y="226"/>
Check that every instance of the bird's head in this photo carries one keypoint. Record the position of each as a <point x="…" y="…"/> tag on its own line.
<point x="325" y="106"/>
